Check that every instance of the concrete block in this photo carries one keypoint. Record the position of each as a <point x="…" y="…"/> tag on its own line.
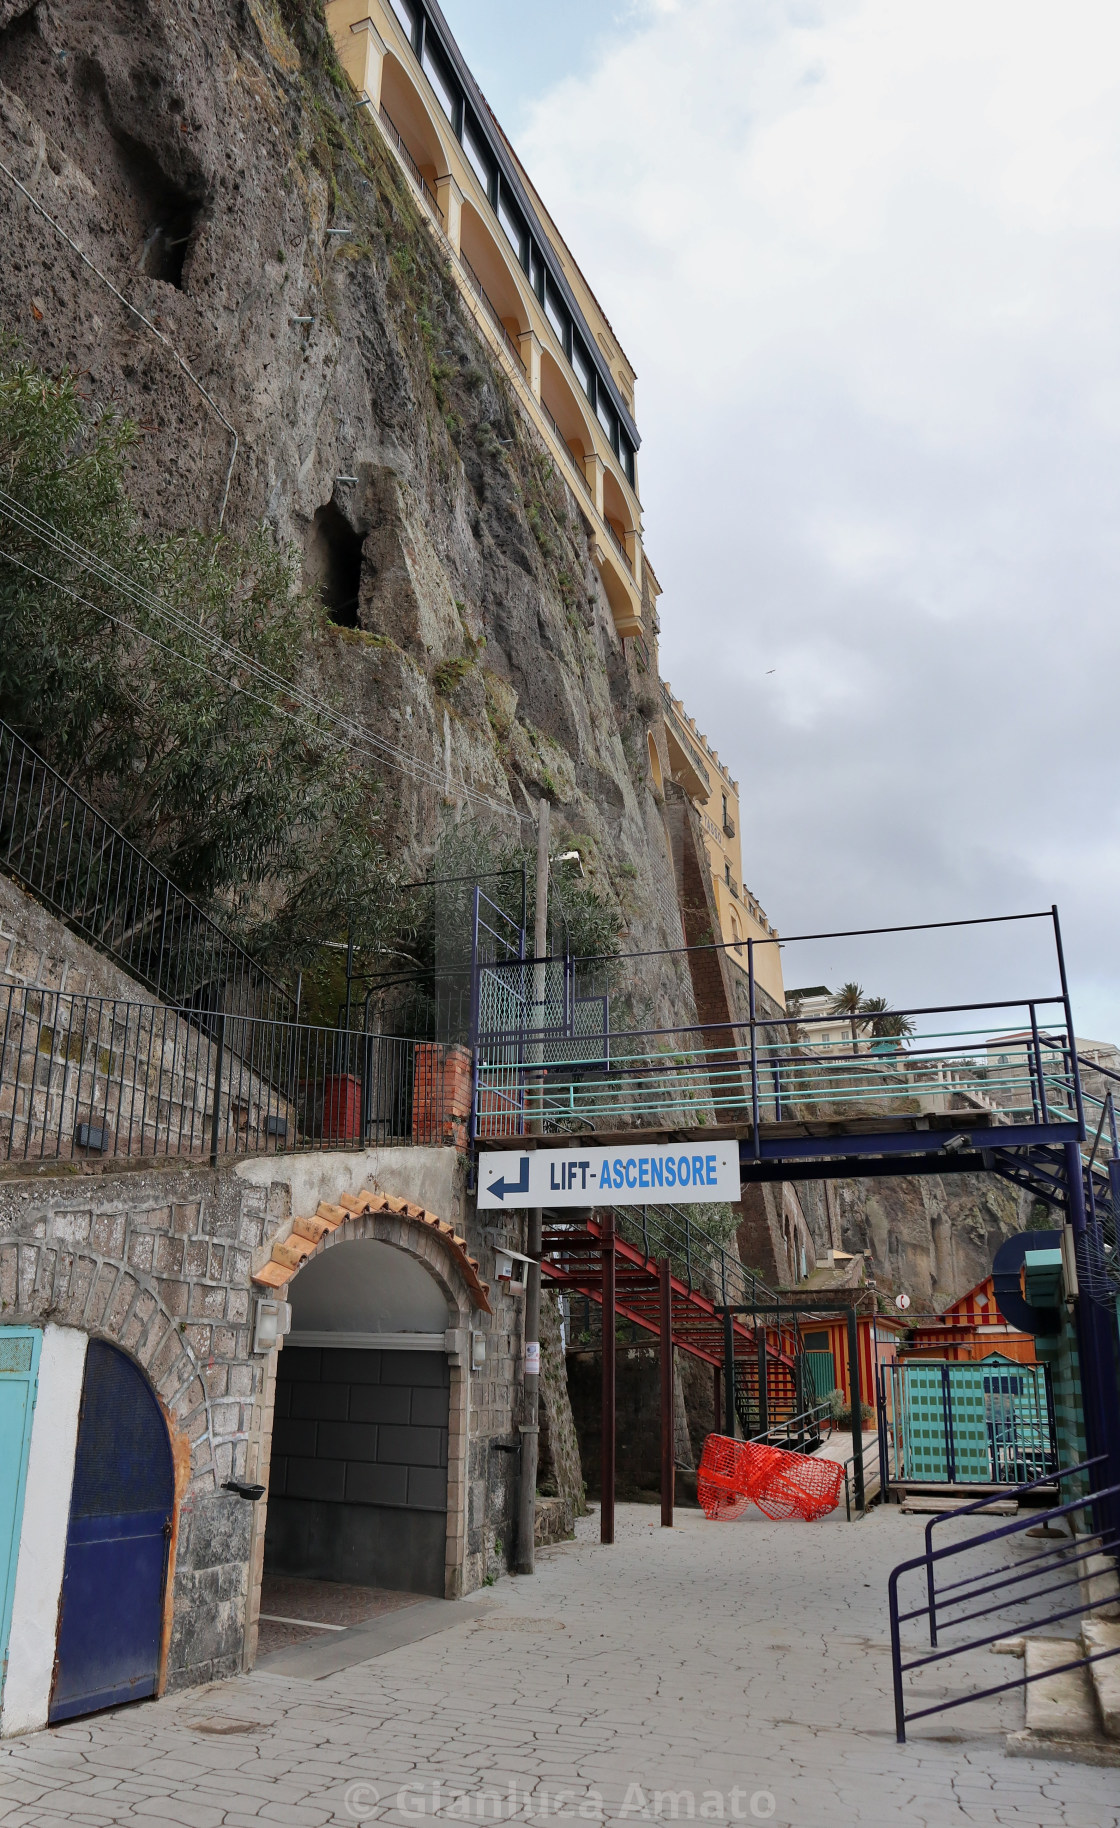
<point x="1058" y="1707"/>
<point x="1102" y="1636"/>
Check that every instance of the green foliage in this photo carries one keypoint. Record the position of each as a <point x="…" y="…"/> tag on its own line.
<point x="108" y="666"/>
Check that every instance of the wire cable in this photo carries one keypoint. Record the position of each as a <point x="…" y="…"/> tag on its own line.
<point x="311" y="714"/>
<point x="146" y="321"/>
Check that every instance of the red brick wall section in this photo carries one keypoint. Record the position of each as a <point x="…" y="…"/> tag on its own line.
<point x="441" y="1094"/>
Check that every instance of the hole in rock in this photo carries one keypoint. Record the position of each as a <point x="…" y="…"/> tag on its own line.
<point x="334" y="565"/>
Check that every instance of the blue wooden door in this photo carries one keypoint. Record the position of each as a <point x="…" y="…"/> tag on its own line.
<point x="111" y="1618"/>
<point x="19" y="1367"/>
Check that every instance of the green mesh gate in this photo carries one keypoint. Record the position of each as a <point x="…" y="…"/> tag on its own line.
<point x="987" y="1423"/>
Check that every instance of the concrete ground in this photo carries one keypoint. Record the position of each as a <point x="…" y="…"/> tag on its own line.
<point x="734" y="1672"/>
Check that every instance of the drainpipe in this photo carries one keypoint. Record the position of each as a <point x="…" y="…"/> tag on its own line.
<point x="527" y="1498"/>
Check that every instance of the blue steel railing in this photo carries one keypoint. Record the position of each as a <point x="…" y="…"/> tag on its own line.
<point x="1061" y="1569"/>
<point x="1010" y="1061"/>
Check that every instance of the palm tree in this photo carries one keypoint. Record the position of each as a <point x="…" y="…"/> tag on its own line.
<point x="849" y="1001"/>
<point x="885" y="1020"/>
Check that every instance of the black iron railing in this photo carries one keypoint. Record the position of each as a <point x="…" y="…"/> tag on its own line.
<point x="86" y="1076"/>
<point x="68" y="855"/>
<point x="415" y="173"/>
<point x="1011" y="1592"/>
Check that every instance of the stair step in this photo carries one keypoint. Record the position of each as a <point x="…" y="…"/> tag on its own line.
<point x="1099" y="1581"/>
<point x="924" y="1506"/>
<point x="1098" y="1635"/>
<point x="1059" y="1707"/>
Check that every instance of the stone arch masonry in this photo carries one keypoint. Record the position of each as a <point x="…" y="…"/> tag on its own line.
<point x="159" y="1260"/>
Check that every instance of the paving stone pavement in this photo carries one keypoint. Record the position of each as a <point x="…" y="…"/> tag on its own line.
<point x="734" y="1672"/>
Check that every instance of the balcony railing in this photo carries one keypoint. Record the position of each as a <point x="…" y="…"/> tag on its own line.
<point x="491" y="310"/>
<point x="623" y="554"/>
<point x="415" y="173"/>
<point x="683" y="738"/>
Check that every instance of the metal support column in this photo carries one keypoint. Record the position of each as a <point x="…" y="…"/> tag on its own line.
<point x="1096" y="1349"/>
<point x="763" y="1392"/>
<point x="667" y="1457"/>
<point x="857" y="1408"/>
<point x="606" y="1453"/>
<point x="717" y="1396"/>
<point x="728" y="1375"/>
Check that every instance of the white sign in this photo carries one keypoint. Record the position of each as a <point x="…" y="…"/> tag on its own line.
<point x="637" y="1174"/>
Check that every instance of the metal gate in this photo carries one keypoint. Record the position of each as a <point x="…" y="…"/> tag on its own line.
<point x="985" y="1423"/>
<point x="19" y="1367"/>
<point x="111" y="1618"/>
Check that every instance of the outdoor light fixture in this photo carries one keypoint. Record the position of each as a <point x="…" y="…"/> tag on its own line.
<point x="478" y="1351"/>
<point x="274" y="1320"/>
<point x="242" y="1489"/>
<point x="91" y="1136"/>
<point x="956" y="1144"/>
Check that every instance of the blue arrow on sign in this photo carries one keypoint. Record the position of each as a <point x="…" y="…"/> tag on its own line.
<point x="521" y="1185"/>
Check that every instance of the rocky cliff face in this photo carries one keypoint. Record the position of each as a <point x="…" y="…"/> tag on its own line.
<point x="191" y="157"/>
<point x="931" y="1238"/>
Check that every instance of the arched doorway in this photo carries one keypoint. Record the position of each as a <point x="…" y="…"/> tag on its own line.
<point x="358" y="1474"/>
<point x="110" y="1626"/>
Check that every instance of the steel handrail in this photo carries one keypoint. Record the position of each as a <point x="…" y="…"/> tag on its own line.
<point x="980" y="1504"/>
<point x="926" y="1561"/>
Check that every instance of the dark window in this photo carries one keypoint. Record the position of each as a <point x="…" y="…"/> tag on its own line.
<point x="582" y="364"/>
<point x="626" y="452"/>
<point x="440" y="78"/>
<point x="407" y="16"/>
<point x="477" y="151"/>
<point x="510" y="218"/>
<point x="557" y="315"/>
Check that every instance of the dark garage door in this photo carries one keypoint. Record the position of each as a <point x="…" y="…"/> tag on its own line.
<point x="358" y="1486"/>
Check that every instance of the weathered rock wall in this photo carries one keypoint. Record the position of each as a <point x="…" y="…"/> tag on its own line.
<point x="931" y="1238"/>
<point x="197" y="153"/>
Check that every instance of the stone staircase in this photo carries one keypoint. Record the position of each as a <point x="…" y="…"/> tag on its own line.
<point x="1076" y="1714"/>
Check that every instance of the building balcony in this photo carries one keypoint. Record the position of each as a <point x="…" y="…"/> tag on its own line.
<point x="685" y="759"/>
<point x="496" y="261"/>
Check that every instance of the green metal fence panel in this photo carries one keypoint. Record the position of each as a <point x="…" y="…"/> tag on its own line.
<point x="987" y="1422"/>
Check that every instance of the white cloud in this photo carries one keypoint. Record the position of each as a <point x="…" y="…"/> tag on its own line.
<point x="865" y="257"/>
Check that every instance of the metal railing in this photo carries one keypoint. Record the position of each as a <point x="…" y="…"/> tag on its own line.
<point x="799" y="1434"/>
<point x="1061" y="1569"/>
<point x="414" y="171"/>
<point x="989" y="1423"/>
<point x="698" y="1258"/>
<point x="86" y="1076"/>
<point x="1002" y="1062"/>
<point x="66" y="853"/>
<point x="623" y="554"/>
<point x="491" y="310"/>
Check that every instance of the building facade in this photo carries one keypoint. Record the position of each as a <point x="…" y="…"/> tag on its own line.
<point x="714" y="792"/>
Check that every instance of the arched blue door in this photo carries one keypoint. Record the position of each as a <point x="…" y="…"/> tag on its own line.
<point x="111" y="1618"/>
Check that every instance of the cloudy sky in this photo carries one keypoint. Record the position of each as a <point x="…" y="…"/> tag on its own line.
<point x="865" y="258"/>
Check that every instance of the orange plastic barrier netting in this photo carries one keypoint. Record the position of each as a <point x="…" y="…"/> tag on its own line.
<point x="734" y="1474"/>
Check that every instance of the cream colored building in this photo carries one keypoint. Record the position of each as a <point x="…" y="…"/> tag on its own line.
<point x="696" y="766"/>
<point x="518" y="277"/>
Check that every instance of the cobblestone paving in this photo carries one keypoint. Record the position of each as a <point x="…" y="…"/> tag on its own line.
<point x="715" y="1672"/>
